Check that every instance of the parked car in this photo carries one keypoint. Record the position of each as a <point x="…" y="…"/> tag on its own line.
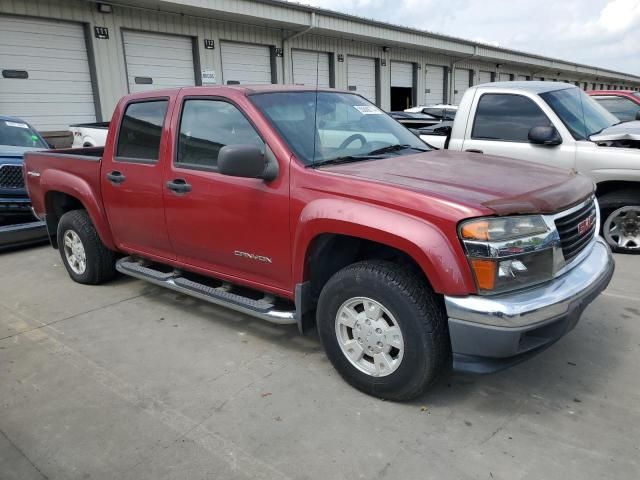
<point x="89" y="134"/>
<point x="17" y="223"/>
<point x="314" y="207"/>
<point x="442" y="112"/>
<point x="624" y="104"/>
<point x="556" y="124"/>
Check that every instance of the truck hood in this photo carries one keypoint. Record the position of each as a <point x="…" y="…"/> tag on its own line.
<point x="622" y="131"/>
<point x="14" y="154"/>
<point x="502" y="185"/>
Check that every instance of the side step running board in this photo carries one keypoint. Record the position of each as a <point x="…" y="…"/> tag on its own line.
<point x="263" y="308"/>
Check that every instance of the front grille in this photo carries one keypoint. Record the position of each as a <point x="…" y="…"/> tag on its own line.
<point x="11" y="176"/>
<point x="576" y="230"/>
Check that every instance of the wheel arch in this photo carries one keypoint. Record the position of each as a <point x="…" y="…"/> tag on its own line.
<point x="66" y="192"/>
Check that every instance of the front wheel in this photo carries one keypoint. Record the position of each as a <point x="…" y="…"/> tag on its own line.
<point x="383" y="329"/>
<point x="85" y="257"/>
<point x="621" y="221"/>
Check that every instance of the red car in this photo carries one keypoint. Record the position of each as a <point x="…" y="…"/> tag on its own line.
<point x="624" y="104"/>
<point x="315" y="207"/>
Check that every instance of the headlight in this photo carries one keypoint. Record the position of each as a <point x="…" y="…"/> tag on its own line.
<point x="508" y="253"/>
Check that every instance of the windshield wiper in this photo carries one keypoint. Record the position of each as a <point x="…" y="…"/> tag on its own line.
<point x="395" y="148"/>
<point x="345" y="159"/>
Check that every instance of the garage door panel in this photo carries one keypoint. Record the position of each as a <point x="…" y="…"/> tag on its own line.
<point x="434" y="84"/>
<point x="402" y="74"/>
<point x="461" y="84"/>
<point x="166" y="59"/>
<point x="361" y="74"/>
<point x="245" y="63"/>
<point x="310" y="68"/>
<point x="25" y="88"/>
<point x="505" y="77"/>
<point x="484" y="77"/>
<point x="58" y="90"/>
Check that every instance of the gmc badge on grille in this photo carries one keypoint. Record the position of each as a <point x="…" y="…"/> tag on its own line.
<point x="586" y="224"/>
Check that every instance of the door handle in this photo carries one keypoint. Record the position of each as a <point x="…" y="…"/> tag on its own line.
<point x="474" y="150"/>
<point x="116" y="177"/>
<point x="179" y="185"/>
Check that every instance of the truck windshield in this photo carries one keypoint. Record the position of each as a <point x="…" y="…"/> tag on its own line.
<point x="19" y="134"/>
<point x="582" y="115"/>
<point x="332" y="127"/>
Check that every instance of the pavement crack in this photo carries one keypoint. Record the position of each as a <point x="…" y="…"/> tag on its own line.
<point x="19" y="450"/>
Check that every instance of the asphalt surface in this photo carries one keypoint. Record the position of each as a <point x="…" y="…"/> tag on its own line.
<point x="130" y="381"/>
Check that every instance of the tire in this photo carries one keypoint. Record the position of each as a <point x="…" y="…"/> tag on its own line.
<point x="621" y="208"/>
<point x="422" y="351"/>
<point x="99" y="262"/>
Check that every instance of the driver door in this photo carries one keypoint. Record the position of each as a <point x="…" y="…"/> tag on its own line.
<point x="501" y="124"/>
<point x="232" y="227"/>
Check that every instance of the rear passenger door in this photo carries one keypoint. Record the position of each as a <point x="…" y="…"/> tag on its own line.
<point x="230" y="226"/>
<point x="500" y="126"/>
<point x="132" y="179"/>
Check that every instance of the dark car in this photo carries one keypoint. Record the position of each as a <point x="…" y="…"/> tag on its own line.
<point x="18" y="226"/>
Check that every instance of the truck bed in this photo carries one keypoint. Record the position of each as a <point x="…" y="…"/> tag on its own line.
<point x="52" y="167"/>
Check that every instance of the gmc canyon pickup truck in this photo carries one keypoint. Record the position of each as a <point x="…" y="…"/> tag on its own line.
<point x="557" y="124"/>
<point x="316" y="208"/>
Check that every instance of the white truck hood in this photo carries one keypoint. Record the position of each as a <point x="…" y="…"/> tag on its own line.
<point x="622" y="131"/>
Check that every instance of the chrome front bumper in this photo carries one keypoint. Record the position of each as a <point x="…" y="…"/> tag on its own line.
<point x="492" y="332"/>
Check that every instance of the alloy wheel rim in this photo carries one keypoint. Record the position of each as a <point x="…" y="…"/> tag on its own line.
<point x="622" y="228"/>
<point x="74" y="252"/>
<point x="369" y="336"/>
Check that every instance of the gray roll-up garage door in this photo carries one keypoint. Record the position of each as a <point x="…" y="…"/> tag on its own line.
<point x="361" y="77"/>
<point x="484" y="77"/>
<point x="311" y="68"/>
<point x="434" y="85"/>
<point x="522" y="78"/>
<point x="505" y="77"/>
<point x="245" y="63"/>
<point x="57" y="90"/>
<point x="461" y="84"/>
<point x="402" y="74"/>
<point x="157" y="61"/>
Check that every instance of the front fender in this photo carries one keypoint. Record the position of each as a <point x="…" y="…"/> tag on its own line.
<point x="53" y="180"/>
<point x="440" y="257"/>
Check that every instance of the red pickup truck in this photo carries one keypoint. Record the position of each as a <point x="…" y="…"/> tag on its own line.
<point x="316" y="208"/>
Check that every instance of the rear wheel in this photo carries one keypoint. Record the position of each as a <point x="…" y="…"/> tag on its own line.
<point x="384" y="330"/>
<point x="621" y="221"/>
<point x="85" y="257"/>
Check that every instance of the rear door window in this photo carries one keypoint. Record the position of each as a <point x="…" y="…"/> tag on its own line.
<point x="507" y="118"/>
<point x="141" y="130"/>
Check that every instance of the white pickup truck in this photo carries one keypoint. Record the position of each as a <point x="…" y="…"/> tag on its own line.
<point x="556" y="124"/>
<point x="89" y="134"/>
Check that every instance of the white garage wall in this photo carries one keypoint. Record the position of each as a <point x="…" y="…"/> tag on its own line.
<point x="58" y="90"/>
<point x="165" y="59"/>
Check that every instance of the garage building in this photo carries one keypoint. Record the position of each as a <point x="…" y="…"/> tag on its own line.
<point x="69" y="61"/>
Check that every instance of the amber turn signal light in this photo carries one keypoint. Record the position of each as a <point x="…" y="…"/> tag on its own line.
<point x="485" y="272"/>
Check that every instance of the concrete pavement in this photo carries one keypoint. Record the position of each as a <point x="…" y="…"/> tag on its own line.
<point x="130" y="381"/>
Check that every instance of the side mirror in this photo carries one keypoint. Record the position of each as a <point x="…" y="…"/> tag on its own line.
<point x="638" y="115"/>
<point x="241" y="161"/>
<point x="545" y="136"/>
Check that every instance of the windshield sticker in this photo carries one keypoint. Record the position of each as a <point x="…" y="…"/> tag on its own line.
<point x="16" y="124"/>
<point x="368" y="109"/>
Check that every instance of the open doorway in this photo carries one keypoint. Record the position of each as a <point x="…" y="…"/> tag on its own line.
<point x="401" y="98"/>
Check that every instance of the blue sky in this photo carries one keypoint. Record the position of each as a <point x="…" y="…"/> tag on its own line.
<point x="604" y="33"/>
